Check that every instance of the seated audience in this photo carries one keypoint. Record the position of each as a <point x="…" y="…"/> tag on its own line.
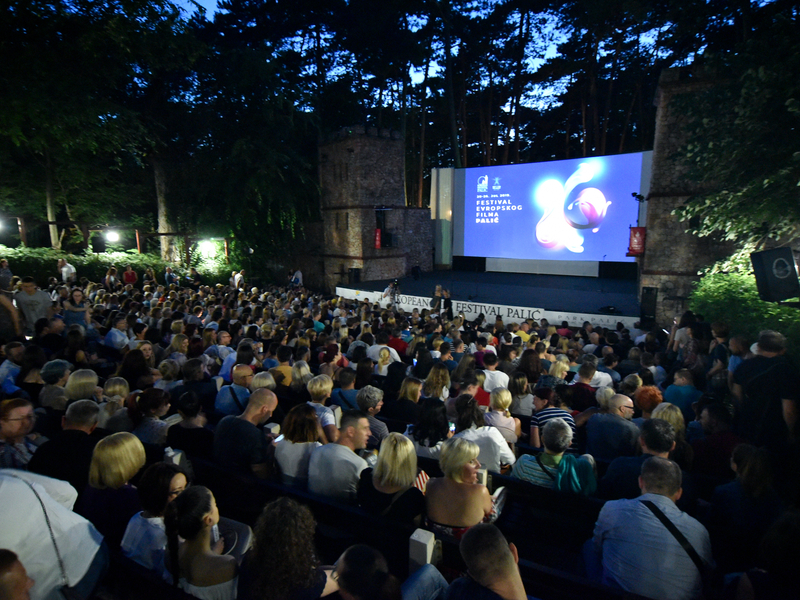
<point x="345" y="394"/>
<point x="636" y="552"/>
<point x="68" y="455"/>
<point x="656" y="438"/>
<point x="431" y="430"/>
<point x="362" y="574"/>
<point x="196" y="563"/>
<point x="683" y="454"/>
<point x="16" y="423"/>
<point x="334" y="469"/>
<point x="521" y="397"/>
<point x="743" y="510"/>
<point x="232" y="399"/>
<point x="300" y="432"/>
<point x="547" y="405"/>
<point x="239" y="444"/>
<point x="23" y="528"/>
<point x="370" y="402"/>
<point x="319" y="388"/>
<point x="109" y="501"/>
<point x="494" y="450"/>
<point x="437" y="383"/>
<point x="145" y="539"/>
<point x="498" y="416"/>
<point x="456" y="502"/>
<point x="646" y="398"/>
<point x="406" y="407"/>
<point x="492" y="567"/>
<point x="554" y="469"/>
<point x="190" y="433"/>
<point x="145" y="410"/>
<point x="283" y="563"/>
<point x="612" y="434"/>
<point x="388" y="489"/>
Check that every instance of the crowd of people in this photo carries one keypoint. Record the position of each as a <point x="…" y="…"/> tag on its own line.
<point x="681" y="432"/>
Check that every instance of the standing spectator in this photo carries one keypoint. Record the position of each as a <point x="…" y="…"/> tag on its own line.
<point x="170" y="277"/>
<point x="5" y="274"/>
<point x="33" y="303"/>
<point x="10" y="326"/>
<point x="110" y="280"/>
<point x="68" y="272"/>
<point x="129" y="276"/>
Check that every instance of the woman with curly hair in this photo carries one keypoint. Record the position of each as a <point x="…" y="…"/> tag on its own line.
<point x="437" y="383"/>
<point x="283" y="564"/>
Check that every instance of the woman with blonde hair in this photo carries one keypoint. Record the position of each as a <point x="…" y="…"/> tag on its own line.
<point x="555" y="376"/>
<point x="683" y="454"/>
<point x="109" y="501"/>
<point x="499" y="416"/>
<point x="82" y="385"/>
<point x="301" y="375"/>
<point x="456" y="502"/>
<point x="178" y="347"/>
<point x="384" y="360"/>
<point x="115" y="391"/>
<point x="388" y="489"/>
<point x="437" y="383"/>
<point x="264" y="379"/>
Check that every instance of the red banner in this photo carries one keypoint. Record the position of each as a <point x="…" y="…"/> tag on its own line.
<point x="636" y="245"/>
<point x="377" y="239"/>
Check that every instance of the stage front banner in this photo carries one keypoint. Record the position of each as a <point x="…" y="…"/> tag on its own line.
<point x="509" y="314"/>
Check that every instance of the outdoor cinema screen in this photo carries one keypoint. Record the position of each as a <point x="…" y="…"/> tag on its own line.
<point x="569" y="210"/>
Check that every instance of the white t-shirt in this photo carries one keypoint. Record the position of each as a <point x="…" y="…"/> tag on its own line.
<point x="324" y="414"/>
<point x="494" y="380"/>
<point x="23" y="530"/>
<point x="293" y="458"/>
<point x="494" y="448"/>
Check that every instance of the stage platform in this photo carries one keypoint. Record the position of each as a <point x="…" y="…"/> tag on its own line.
<point x="517" y="296"/>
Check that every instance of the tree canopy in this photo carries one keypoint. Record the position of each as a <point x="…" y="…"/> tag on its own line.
<point x="132" y="112"/>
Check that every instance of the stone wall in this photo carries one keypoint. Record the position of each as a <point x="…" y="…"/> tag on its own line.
<point x="673" y="257"/>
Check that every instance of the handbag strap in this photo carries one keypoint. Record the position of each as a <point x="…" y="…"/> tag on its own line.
<point x="236" y="398"/>
<point x="677" y="534"/>
<point x="49" y="527"/>
<point x="545" y="469"/>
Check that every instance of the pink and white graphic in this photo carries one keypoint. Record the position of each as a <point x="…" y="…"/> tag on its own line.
<point x="570" y="207"/>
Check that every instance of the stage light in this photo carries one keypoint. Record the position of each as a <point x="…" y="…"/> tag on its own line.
<point x="207" y="248"/>
<point x="112" y="236"/>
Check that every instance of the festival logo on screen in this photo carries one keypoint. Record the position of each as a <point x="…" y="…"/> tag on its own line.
<point x="570" y="208"/>
<point x="496" y="185"/>
<point x="483" y="184"/>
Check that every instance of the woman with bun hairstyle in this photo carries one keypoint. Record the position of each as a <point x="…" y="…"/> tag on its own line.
<point x="197" y="564"/>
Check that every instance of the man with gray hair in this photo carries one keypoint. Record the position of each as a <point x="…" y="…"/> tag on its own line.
<point x="55" y="375"/>
<point x="492" y="565"/>
<point x="552" y="468"/>
<point x="766" y="393"/>
<point x="370" y="402"/>
<point x="632" y="547"/>
<point x="67" y="456"/>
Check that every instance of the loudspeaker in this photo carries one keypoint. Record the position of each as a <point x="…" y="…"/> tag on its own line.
<point x="353" y="275"/>
<point x="647" y="314"/>
<point x="776" y="274"/>
<point x="386" y="239"/>
<point x="98" y="244"/>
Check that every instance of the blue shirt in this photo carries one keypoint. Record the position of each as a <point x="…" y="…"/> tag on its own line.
<point x="640" y="555"/>
<point x="225" y="402"/>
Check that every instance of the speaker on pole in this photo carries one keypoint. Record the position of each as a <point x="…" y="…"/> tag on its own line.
<point x="776" y="274"/>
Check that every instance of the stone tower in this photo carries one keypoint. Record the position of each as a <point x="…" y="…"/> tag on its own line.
<point x="673" y="257"/>
<point x="362" y="182"/>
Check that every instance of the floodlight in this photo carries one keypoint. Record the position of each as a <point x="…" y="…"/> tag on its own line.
<point x="207" y="248"/>
<point x="112" y="236"/>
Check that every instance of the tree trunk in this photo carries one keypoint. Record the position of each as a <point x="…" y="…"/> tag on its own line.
<point x="164" y="225"/>
<point x="424" y="113"/>
<point x="448" y="84"/>
<point x="55" y="241"/>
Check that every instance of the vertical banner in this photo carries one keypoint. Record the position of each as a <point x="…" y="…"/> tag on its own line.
<point x="377" y="239"/>
<point x="636" y="245"/>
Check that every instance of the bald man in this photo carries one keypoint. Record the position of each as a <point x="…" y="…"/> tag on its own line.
<point x="232" y="399"/>
<point x="239" y="444"/>
<point x="611" y="434"/>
